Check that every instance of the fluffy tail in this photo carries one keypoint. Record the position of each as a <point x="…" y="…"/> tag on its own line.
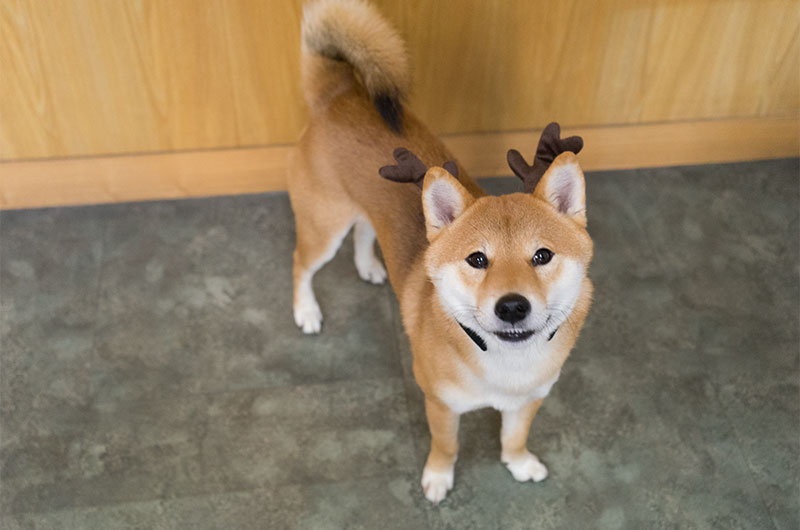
<point x="353" y="32"/>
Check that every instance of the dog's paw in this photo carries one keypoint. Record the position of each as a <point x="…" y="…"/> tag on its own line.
<point x="526" y="468"/>
<point x="308" y="316"/>
<point x="436" y="484"/>
<point x="372" y="272"/>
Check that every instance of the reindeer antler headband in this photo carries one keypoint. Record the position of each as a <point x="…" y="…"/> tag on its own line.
<point x="410" y="168"/>
<point x="550" y="146"/>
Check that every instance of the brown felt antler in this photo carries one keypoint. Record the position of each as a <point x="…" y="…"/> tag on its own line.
<point x="410" y="168"/>
<point x="550" y="146"/>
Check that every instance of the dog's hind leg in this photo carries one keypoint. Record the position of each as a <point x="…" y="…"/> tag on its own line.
<point x="317" y="243"/>
<point x="323" y="216"/>
<point x="369" y="267"/>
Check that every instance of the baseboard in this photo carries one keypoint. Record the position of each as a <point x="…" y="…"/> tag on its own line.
<point x="72" y="181"/>
<point x="125" y="178"/>
<point x="650" y="145"/>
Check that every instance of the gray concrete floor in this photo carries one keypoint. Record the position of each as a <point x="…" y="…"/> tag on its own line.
<point x="151" y="375"/>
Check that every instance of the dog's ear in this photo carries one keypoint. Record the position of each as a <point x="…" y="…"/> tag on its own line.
<point x="443" y="200"/>
<point x="564" y="186"/>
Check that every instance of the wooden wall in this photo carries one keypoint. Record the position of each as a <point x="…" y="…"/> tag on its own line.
<point x="90" y="77"/>
<point x="112" y="77"/>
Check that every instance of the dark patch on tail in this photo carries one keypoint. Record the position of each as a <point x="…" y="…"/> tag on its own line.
<point x="333" y="53"/>
<point x="391" y="110"/>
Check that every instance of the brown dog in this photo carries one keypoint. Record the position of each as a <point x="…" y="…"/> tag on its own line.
<point x="493" y="290"/>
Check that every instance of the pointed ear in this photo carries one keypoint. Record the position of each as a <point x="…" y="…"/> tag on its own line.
<point x="564" y="187"/>
<point x="443" y="200"/>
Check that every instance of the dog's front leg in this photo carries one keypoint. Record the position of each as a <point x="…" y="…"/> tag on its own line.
<point x="437" y="477"/>
<point x="514" y="437"/>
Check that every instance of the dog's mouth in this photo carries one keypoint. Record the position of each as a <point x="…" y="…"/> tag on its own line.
<point x="514" y="335"/>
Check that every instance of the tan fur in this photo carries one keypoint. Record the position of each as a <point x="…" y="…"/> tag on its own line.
<point x="334" y="182"/>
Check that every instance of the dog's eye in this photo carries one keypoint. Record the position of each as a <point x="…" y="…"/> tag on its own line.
<point x="542" y="256"/>
<point x="478" y="260"/>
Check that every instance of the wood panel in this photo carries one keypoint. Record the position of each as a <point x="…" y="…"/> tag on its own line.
<point x="87" y="77"/>
<point x="518" y="65"/>
<point x="121" y="76"/>
<point x="251" y="170"/>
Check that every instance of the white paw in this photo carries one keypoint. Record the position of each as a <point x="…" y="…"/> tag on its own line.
<point x="527" y="468"/>
<point x="308" y="316"/>
<point x="372" y="272"/>
<point x="436" y="484"/>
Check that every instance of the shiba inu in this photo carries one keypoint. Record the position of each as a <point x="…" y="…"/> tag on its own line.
<point x="493" y="290"/>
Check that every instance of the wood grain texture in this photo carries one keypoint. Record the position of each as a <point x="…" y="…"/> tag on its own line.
<point x="88" y="77"/>
<point x="251" y="170"/>
<point x="97" y="76"/>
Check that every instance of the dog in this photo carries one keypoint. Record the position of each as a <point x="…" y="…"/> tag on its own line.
<point x="493" y="290"/>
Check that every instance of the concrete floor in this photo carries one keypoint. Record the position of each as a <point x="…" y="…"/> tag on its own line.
<point x="152" y="377"/>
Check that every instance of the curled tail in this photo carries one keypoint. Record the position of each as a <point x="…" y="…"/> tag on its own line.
<point x="338" y="33"/>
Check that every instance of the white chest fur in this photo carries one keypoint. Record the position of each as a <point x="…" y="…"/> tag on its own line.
<point x="507" y="380"/>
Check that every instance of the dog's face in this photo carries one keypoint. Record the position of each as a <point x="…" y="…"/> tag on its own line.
<point x="510" y="268"/>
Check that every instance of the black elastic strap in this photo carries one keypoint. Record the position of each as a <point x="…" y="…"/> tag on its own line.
<point x="474" y="336"/>
<point x="477" y="339"/>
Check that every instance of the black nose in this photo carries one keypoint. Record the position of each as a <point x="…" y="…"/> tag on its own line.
<point x="512" y="308"/>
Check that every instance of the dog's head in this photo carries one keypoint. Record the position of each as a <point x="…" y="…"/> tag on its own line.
<point x="511" y="268"/>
